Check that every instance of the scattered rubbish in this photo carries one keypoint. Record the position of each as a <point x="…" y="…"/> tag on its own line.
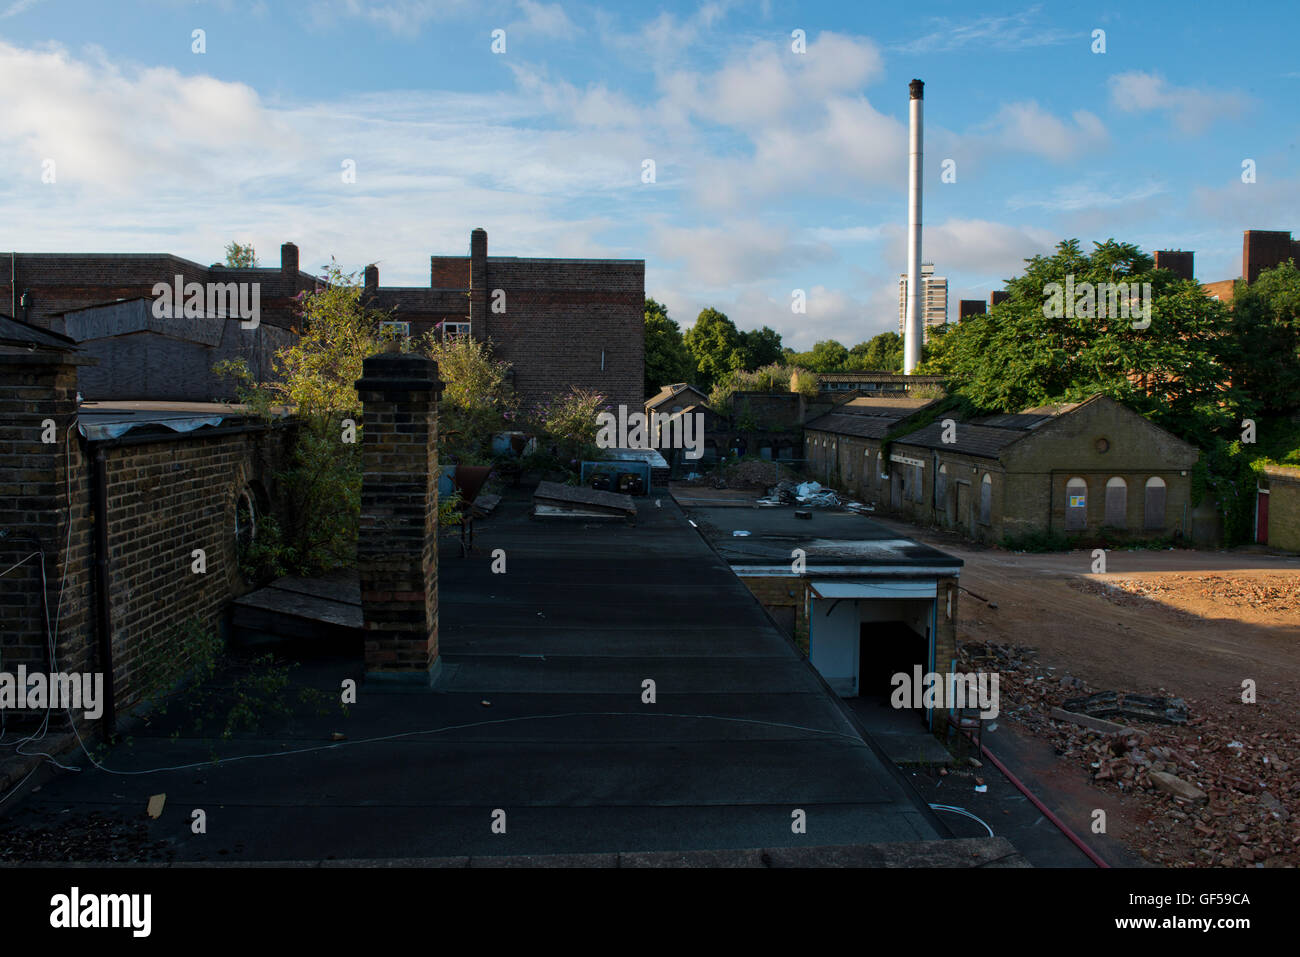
<point x="338" y="736"/>
<point x="740" y="533"/>
<point x="156" y="803"/>
<point x="803" y="513"/>
<point x="486" y="703"/>
<point x="975" y="762"/>
<point x="981" y="788"/>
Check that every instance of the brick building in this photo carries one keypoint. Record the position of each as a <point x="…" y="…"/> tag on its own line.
<point x="109" y="504"/>
<point x="560" y="322"/>
<point x="1071" y="469"/>
<point x="1277" y="508"/>
<point x="1260" y="249"/>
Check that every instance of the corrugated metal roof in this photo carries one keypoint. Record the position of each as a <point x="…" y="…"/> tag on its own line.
<point x="100" y="422"/>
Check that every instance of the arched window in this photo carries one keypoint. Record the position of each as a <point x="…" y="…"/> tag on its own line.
<point x="941" y="487"/>
<point x="1116" y="503"/>
<point x="986" y="499"/>
<point x="1076" y="504"/>
<point x="880" y="466"/>
<point x="1154" y="506"/>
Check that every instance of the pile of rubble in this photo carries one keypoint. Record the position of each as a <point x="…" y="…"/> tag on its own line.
<point x="1221" y="789"/>
<point x="1274" y="593"/>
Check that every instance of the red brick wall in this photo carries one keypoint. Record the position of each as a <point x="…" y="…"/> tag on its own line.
<point x="560" y="315"/>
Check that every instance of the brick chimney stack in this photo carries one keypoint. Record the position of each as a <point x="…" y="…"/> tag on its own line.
<point x="397" y="547"/>
<point x="372" y="278"/>
<point x="1263" y="249"/>
<point x="289" y="261"/>
<point x="1176" y="261"/>
<point x="478" y="284"/>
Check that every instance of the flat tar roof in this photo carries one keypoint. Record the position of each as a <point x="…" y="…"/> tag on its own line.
<point x="741" y="734"/>
<point x="832" y="537"/>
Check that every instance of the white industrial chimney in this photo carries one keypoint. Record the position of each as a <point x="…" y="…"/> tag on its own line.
<point x="913" y="333"/>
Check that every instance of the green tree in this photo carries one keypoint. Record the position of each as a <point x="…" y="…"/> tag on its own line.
<point x="881" y="353"/>
<point x="240" y="257"/>
<point x="1265" y="357"/>
<point x="666" y="357"/>
<point x="1022" y="354"/>
<point x="716" y="345"/>
<point x="477" y="401"/>
<point x="762" y="347"/>
<point x="313" y="379"/>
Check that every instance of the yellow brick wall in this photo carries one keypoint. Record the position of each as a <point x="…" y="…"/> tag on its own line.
<point x="1283" y="508"/>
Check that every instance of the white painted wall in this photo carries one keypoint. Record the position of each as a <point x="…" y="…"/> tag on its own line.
<point x="833" y="644"/>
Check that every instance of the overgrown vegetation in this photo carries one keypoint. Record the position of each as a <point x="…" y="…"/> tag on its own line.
<point x="219" y="693"/>
<point x="774" y="377"/>
<point x="319" y="491"/>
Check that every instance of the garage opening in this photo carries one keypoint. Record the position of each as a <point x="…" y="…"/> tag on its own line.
<point x="862" y="633"/>
<point x="885" y="649"/>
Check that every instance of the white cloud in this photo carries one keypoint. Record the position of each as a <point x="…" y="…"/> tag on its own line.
<point x="1027" y="127"/>
<point x="544" y="20"/>
<point x="1192" y="110"/>
<point x="1084" y="196"/>
<point x="1012" y="32"/>
<point x="402" y="17"/>
<point x="735" y="254"/>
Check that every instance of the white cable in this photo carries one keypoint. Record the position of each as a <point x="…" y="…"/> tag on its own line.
<point x="461" y="727"/>
<point x="963" y="812"/>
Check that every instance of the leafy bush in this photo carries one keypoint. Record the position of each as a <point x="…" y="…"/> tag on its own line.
<point x="314" y="379"/>
<point x="218" y="690"/>
<point x="477" y="401"/>
<point x="568" y="426"/>
<point x="777" y="377"/>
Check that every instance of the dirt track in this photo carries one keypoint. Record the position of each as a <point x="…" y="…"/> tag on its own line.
<point x="1187" y="624"/>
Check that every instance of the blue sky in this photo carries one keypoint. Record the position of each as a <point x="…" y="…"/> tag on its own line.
<point x="775" y="170"/>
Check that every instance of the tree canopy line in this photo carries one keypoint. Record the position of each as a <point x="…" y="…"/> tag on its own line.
<point x="1200" y="368"/>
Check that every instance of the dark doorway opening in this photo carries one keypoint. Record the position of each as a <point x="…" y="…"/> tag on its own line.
<point x="885" y="649"/>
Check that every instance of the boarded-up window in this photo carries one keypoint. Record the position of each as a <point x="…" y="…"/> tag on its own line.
<point x="918" y="484"/>
<point x="1117" y="503"/>
<point x="1154" y="507"/>
<point x="986" y="500"/>
<point x="1076" y="504"/>
<point x="941" y="488"/>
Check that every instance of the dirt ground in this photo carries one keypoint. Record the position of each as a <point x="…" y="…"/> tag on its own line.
<point x="1182" y="624"/>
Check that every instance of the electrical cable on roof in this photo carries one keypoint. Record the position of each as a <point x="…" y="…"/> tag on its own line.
<point x="457" y="727"/>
